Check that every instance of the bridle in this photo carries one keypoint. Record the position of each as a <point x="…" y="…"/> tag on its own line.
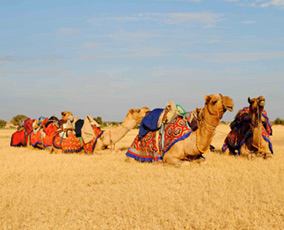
<point x="208" y="127"/>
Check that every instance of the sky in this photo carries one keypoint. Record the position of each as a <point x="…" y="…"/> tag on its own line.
<point x="104" y="57"/>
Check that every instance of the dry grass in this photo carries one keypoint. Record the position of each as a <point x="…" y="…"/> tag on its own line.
<point x="48" y="191"/>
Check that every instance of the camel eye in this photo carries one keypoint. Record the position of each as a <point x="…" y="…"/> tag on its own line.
<point x="214" y="102"/>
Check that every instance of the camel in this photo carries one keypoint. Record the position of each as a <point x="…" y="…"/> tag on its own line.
<point x="256" y="141"/>
<point x="37" y="135"/>
<point x="44" y="132"/>
<point x="191" y="144"/>
<point x="112" y="136"/>
<point x="109" y="137"/>
<point x="20" y="137"/>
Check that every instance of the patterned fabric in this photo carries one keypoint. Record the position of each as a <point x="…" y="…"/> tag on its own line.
<point x="35" y="139"/>
<point x="265" y="137"/>
<point x="18" y="139"/>
<point x="152" y="147"/>
<point x="50" y="133"/>
<point x="90" y="146"/>
<point x="73" y="144"/>
<point x="242" y="122"/>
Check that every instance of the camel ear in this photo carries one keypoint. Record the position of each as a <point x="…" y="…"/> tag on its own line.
<point x="63" y="113"/>
<point x="131" y="111"/>
<point x="196" y="110"/>
<point x="138" y="110"/>
<point x="207" y="98"/>
<point x="220" y="95"/>
<point x="249" y="100"/>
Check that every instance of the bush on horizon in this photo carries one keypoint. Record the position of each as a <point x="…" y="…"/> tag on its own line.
<point x="278" y="121"/>
<point x="16" y="119"/>
<point x="2" y="124"/>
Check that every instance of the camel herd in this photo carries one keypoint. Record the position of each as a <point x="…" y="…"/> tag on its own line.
<point x="168" y="135"/>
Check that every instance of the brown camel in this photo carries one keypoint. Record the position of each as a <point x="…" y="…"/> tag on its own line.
<point x="198" y="142"/>
<point x="177" y="141"/>
<point x="255" y="144"/>
<point x="112" y="136"/>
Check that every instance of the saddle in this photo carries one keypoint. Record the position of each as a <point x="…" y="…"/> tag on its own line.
<point x="157" y="117"/>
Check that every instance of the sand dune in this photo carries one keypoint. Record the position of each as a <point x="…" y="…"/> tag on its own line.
<point x="48" y="191"/>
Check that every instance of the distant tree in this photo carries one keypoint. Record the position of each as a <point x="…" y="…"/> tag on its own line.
<point x="278" y="121"/>
<point x="16" y="119"/>
<point x="2" y="123"/>
<point x="99" y="120"/>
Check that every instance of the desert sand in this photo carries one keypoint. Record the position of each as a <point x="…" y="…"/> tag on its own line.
<point x="39" y="190"/>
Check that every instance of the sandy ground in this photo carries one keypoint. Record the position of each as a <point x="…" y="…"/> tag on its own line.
<point x="39" y="190"/>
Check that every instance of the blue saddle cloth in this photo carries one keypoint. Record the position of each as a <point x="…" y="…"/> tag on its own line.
<point x="150" y="122"/>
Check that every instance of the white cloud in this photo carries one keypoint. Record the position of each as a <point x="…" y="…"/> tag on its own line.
<point x="91" y="45"/>
<point x="260" y="3"/>
<point x="11" y="59"/>
<point x="248" y="22"/>
<point x="236" y="57"/>
<point x="208" y="19"/>
<point x="125" y="53"/>
<point x="277" y="3"/>
<point x="68" y="31"/>
<point x="179" y="0"/>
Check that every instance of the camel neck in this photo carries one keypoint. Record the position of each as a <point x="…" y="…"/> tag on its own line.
<point x="128" y="123"/>
<point x="207" y="127"/>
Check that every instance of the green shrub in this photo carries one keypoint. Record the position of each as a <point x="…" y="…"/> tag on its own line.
<point x="2" y="123"/>
<point x="16" y="119"/>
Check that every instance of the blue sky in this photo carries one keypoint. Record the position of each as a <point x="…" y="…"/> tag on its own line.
<point x="101" y="58"/>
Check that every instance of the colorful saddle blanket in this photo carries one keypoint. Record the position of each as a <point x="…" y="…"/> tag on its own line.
<point x="73" y="144"/>
<point x="265" y="137"/>
<point x="18" y="139"/>
<point x="36" y="139"/>
<point x="45" y="139"/>
<point x="232" y="140"/>
<point x="153" y="146"/>
<point x="242" y="120"/>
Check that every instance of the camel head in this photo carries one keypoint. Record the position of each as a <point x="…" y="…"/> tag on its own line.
<point x="67" y="116"/>
<point x="218" y="105"/>
<point x="256" y="106"/>
<point x="256" y="103"/>
<point x="138" y="114"/>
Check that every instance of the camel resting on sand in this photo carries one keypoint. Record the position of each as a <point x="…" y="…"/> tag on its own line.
<point x="198" y="142"/>
<point x="103" y="138"/>
<point x="257" y="142"/>
<point x="191" y="144"/>
<point x="113" y="135"/>
<point x="250" y="131"/>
